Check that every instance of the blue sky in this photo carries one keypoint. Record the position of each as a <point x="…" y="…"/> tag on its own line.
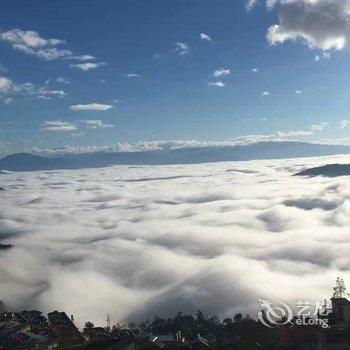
<point x="97" y="73"/>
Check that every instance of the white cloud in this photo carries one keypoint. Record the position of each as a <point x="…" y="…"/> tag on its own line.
<point x="319" y="127"/>
<point x="344" y="123"/>
<point x="270" y="4"/>
<point x="322" y="56"/>
<point x="181" y="48"/>
<point x="298" y="92"/>
<point x="5" y="85"/>
<point x="221" y="72"/>
<point x="63" y="126"/>
<point x="91" y="107"/>
<point x="8" y="88"/>
<point x="28" y="38"/>
<point x="96" y="123"/>
<point x="63" y="80"/>
<point x="292" y="134"/>
<point x="59" y="126"/>
<point x="43" y="92"/>
<point x="151" y="146"/>
<point x="205" y="37"/>
<point x="250" y="4"/>
<point x="255" y="70"/>
<point x="265" y="93"/>
<point x="88" y="65"/>
<point x="32" y="43"/>
<point x="321" y="24"/>
<point x="218" y="84"/>
<point x="117" y="246"/>
<point x="8" y="100"/>
<point x="132" y="75"/>
<point x="83" y="58"/>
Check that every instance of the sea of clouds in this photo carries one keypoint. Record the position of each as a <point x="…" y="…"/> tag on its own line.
<point x="135" y="241"/>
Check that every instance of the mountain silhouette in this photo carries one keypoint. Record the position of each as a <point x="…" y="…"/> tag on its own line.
<point x="31" y="162"/>
<point x="167" y="156"/>
<point x="329" y="170"/>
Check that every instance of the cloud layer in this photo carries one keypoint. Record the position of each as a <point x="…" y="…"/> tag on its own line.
<point x="145" y="240"/>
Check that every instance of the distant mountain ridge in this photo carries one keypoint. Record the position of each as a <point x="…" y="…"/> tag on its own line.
<point x="31" y="162"/>
<point x="329" y="170"/>
<point x="262" y="150"/>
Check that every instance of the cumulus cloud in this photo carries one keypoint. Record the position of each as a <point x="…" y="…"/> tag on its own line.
<point x="91" y="107"/>
<point x="146" y="240"/>
<point x="181" y="48"/>
<point x="9" y="88"/>
<point x="205" y="37"/>
<point x="319" y="127"/>
<point x="322" y="56"/>
<point x="5" y="85"/>
<point x="42" y="92"/>
<point x="221" y="72"/>
<point x="132" y="75"/>
<point x="218" y="84"/>
<point x="88" y="65"/>
<point x="320" y="24"/>
<point x="58" y="125"/>
<point x="62" y="126"/>
<point x="344" y="123"/>
<point x="63" y="80"/>
<point x="250" y="4"/>
<point x="31" y="43"/>
<point x="97" y="123"/>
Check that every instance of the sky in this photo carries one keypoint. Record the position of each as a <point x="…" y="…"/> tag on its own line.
<point x="99" y="73"/>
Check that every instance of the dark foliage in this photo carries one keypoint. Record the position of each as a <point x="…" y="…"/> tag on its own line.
<point x="329" y="170"/>
<point x="242" y="332"/>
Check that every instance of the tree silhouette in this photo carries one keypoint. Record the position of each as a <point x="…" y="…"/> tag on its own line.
<point x="88" y="327"/>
